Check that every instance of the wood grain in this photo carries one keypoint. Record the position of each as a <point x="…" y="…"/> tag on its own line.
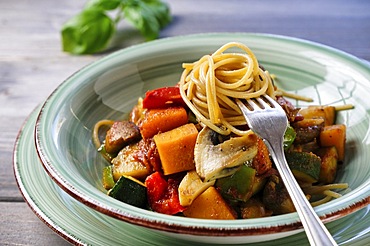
<point x="20" y="226"/>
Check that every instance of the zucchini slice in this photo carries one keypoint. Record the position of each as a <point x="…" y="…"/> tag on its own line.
<point x="130" y="191"/>
<point x="304" y="165"/>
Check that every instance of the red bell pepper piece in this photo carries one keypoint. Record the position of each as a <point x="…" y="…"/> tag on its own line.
<point x="163" y="97"/>
<point x="163" y="194"/>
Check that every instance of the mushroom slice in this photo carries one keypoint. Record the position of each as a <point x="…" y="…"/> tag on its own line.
<point x="213" y="161"/>
<point x="191" y="187"/>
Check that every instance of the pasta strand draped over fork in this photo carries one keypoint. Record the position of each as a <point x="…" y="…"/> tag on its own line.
<point x="210" y="86"/>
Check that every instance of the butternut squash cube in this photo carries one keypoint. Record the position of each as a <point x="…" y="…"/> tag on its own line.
<point x="210" y="205"/>
<point x="176" y="148"/>
<point x="327" y="113"/>
<point x="334" y="135"/>
<point x="329" y="159"/>
<point x="162" y="120"/>
<point x="262" y="162"/>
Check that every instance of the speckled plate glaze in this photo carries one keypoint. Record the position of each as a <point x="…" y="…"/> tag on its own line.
<point x="110" y="87"/>
<point x="80" y="224"/>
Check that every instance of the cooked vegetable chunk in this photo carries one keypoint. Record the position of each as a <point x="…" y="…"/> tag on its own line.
<point x="148" y="155"/>
<point x="191" y="187"/>
<point x="121" y="134"/>
<point x="289" y="137"/>
<point x="253" y="208"/>
<point x="130" y="191"/>
<point x="108" y="180"/>
<point x="126" y="163"/>
<point x="258" y="184"/>
<point x="210" y="205"/>
<point x="223" y="159"/>
<point x="163" y="97"/>
<point x="162" y="120"/>
<point x="262" y="162"/>
<point x="163" y="193"/>
<point x="328" y="113"/>
<point x="276" y="198"/>
<point x="305" y="166"/>
<point x="334" y="135"/>
<point x="238" y="187"/>
<point x="329" y="163"/>
<point x="308" y="130"/>
<point x="176" y="148"/>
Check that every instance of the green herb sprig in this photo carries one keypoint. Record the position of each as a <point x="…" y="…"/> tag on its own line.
<point x="91" y="30"/>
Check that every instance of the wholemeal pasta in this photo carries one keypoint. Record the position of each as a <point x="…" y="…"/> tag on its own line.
<point x="208" y="84"/>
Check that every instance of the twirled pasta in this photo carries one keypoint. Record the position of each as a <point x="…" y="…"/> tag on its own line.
<point x="209" y="85"/>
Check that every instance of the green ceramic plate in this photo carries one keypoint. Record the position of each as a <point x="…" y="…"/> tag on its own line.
<point x="110" y="87"/>
<point x="80" y="224"/>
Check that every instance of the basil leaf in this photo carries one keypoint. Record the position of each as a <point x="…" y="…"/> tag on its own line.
<point x="103" y="4"/>
<point x="161" y="11"/>
<point x="148" y="16"/>
<point x="91" y="30"/>
<point x="88" y="32"/>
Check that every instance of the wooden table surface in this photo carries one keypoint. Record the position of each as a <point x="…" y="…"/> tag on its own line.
<point x="32" y="65"/>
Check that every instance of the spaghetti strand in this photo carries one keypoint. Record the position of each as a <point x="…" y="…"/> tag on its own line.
<point x="210" y="85"/>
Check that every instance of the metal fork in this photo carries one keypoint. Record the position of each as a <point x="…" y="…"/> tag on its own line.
<point x="268" y="120"/>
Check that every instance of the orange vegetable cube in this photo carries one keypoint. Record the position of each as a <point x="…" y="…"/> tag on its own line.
<point x="334" y="135"/>
<point x="327" y="113"/>
<point x="210" y="205"/>
<point x="262" y="162"/>
<point x="162" y="120"/>
<point x="176" y="148"/>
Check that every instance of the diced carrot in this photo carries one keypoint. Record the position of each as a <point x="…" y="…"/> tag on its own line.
<point x="334" y="135"/>
<point x="210" y="205"/>
<point x="162" y="120"/>
<point x="176" y="148"/>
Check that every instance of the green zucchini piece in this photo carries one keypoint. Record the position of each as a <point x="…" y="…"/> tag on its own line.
<point x="239" y="186"/>
<point x="108" y="180"/>
<point x="304" y="165"/>
<point x="130" y="191"/>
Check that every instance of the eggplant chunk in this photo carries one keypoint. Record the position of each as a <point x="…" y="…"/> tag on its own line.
<point x="308" y="130"/>
<point x="121" y="134"/>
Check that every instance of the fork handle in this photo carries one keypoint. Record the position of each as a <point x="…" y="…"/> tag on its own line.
<point x="316" y="232"/>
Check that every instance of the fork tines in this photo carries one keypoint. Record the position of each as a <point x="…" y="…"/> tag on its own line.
<point x="262" y="102"/>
